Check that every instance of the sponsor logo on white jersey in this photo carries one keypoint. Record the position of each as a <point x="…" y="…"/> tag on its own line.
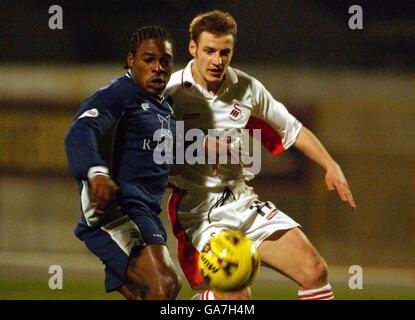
<point x="236" y="113"/>
<point x="92" y="113"/>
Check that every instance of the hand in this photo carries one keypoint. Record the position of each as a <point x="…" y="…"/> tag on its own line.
<point x="103" y="189"/>
<point x="335" y="180"/>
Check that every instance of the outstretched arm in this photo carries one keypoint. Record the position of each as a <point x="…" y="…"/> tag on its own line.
<point x="309" y="145"/>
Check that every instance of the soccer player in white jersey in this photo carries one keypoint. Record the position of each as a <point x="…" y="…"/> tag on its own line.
<point x="209" y="94"/>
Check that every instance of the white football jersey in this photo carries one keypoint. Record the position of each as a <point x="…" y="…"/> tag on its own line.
<point x="241" y="102"/>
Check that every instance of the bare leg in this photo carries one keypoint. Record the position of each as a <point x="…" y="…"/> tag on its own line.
<point x="130" y="292"/>
<point x="291" y="253"/>
<point x="153" y="271"/>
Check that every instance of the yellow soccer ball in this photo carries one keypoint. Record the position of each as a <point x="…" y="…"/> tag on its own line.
<point x="229" y="261"/>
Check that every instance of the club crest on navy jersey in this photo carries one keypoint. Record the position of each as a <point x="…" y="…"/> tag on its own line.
<point x="145" y="106"/>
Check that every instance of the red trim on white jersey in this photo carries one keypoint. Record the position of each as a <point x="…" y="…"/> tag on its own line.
<point x="270" y="138"/>
<point x="187" y="253"/>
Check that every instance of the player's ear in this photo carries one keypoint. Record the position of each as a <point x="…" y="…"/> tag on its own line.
<point x="192" y="48"/>
<point x="130" y="59"/>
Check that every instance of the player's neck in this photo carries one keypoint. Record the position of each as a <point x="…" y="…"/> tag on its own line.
<point x="213" y="88"/>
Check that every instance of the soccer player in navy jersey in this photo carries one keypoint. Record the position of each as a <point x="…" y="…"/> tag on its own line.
<point x="111" y="148"/>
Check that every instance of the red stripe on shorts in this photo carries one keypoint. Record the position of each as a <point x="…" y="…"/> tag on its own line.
<point x="187" y="253"/>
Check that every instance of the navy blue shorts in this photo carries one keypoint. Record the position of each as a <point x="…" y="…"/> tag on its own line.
<point x="116" y="241"/>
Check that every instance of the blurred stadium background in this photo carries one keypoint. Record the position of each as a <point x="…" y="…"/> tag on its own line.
<point x="354" y="88"/>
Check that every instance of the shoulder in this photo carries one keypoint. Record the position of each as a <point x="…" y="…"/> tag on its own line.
<point x="120" y="88"/>
<point x="247" y="81"/>
<point x="175" y="82"/>
<point x="112" y="95"/>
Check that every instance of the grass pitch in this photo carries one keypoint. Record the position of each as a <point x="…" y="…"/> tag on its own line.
<point x="93" y="289"/>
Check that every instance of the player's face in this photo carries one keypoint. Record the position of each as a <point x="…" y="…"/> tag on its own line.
<point x="212" y="54"/>
<point x="152" y="65"/>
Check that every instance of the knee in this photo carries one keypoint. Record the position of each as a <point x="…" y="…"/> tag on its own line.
<point x="315" y="274"/>
<point x="167" y="286"/>
<point x="160" y="284"/>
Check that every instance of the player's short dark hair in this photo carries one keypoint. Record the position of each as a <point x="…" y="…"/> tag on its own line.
<point x="147" y="32"/>
<point x="216" y="22"/>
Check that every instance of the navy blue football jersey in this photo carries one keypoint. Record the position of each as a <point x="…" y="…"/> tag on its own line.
<point x="115" y="128"/>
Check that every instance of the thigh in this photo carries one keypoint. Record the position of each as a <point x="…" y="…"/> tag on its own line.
<point x="290" y="253"/>
<point x="112" y="244"/>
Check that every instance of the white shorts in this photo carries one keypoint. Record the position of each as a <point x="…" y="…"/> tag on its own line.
<point x="197" y="214"/>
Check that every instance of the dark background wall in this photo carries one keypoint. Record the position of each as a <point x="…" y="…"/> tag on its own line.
<point x="313" y="32"/>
